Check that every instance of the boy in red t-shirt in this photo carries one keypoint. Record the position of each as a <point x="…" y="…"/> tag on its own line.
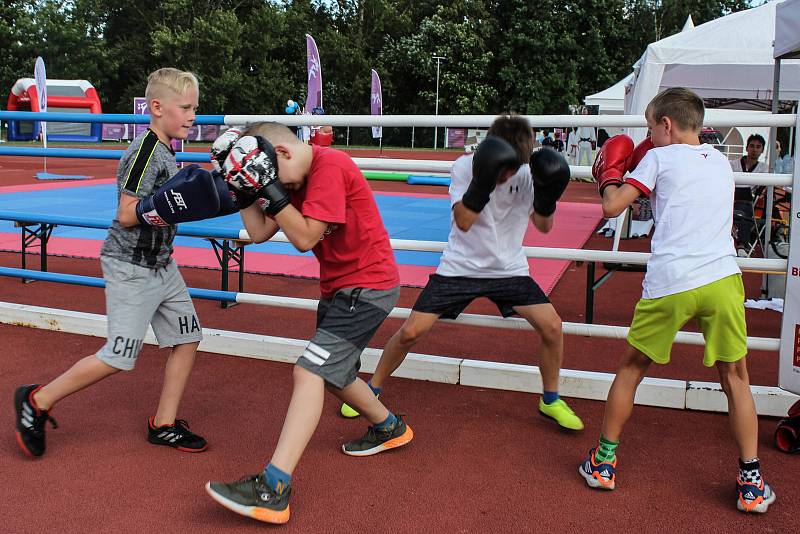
<point x="330" y="211"/>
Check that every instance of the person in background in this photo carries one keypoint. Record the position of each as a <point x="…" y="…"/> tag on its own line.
<point x="784" y="164"/>
<point x="743" y="197"/>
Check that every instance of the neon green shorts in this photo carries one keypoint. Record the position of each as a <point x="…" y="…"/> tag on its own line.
<point x="718" y="308"/>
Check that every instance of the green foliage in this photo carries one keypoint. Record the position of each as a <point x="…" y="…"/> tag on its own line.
<point x="249" y="55"/>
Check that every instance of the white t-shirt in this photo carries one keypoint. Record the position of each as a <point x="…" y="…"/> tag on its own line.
<point x="492" y="248"/>
<point x="691" y="191"/>
<point x="736" y="166"/>
<point x="743" y="190"/>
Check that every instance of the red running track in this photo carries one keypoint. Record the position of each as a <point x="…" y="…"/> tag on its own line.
<point x="482" y="460"/>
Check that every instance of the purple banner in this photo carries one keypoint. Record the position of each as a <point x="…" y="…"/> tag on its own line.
<point x="113" y="132"/>
<point x="40" y="77"/>
<point x="456" y="137"/>
<point x="376" y="103"/>
<point x="209" y="132"/>
<point x="314" y="97"/>
<point x="140" y="107"/>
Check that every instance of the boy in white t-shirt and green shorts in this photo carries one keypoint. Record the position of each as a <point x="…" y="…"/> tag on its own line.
<point x="692" y="274"/>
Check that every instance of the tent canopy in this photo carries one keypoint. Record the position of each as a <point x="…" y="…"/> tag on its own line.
<point x="787" y="30"/>
<point x="729" y="59"/>
<point x="611" y="100"/>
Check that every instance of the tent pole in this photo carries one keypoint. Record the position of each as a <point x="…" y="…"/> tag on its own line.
<point x="773" y="131"/>
<point x="792" y="133"/>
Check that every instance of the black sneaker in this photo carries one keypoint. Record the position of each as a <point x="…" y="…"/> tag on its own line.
<point x="252" y="497"/>
<point x="30" y="421"/>
<point x="375" y="441"/>
<point x="176" y="435"/>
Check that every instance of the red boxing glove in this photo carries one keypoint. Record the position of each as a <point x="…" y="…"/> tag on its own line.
<point x="612" y="161"/>
<point x="639" y="152"/>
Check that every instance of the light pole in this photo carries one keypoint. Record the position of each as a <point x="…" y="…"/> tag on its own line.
<point x="436" y="112"/>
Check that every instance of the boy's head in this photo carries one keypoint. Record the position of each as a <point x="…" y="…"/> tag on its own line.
<point x="172" y="97"/>
<point x="755" y="146"/>
<point x="517" y="132"/>
<point x="294" y="156"/>
<point x="674" y="115"/>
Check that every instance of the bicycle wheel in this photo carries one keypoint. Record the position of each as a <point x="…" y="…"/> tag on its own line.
<point x="779" y="240"/>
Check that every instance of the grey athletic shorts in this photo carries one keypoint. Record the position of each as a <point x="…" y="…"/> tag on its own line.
<point x="139" y="296"/>
<point x="345" y="324"/>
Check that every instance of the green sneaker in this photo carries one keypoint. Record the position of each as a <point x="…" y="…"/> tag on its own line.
<point x="251" y="497"/>
<point x="349" y="412"/>
<point x="375" y="441"/>
<point x="561" y="413"/>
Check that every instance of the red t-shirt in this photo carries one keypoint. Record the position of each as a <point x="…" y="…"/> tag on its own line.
<point x="355" y="249"/>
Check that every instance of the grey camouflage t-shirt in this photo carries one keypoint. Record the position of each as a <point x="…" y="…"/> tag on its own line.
<point x="144" y="167"/>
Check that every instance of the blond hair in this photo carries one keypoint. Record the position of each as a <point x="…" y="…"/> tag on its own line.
<point x="275" y="133"/>
<point x="169" y="79"/>
<point x="681" y="105"/>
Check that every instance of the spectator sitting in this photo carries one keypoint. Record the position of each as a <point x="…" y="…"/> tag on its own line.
<point x="743" y="196"/>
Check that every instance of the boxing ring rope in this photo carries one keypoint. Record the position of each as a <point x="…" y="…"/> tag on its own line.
<point x="588" y="330"/>
<point x="467" y="319"/>
<point x="450" y="121"/>
<point x="771" y="265"/>
<point x="376" y="164"/>
<point x="370" y="164"/>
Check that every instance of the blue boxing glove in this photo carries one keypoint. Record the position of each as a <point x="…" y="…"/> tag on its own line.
<point x="493" y="158"/>
<point x="228" y="200"/>
<point x="190" y="195"/>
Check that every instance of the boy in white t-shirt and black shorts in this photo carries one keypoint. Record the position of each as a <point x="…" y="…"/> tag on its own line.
<point x="692" y="274"/>
<point x="494" y="193"/>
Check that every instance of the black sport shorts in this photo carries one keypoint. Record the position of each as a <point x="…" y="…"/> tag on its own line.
<point x="447" y="296"/>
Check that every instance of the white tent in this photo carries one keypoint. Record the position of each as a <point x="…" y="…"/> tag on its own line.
<point x="729" y="58"/>
<point x="610" y="101"/>
<point x="787" y="30"/>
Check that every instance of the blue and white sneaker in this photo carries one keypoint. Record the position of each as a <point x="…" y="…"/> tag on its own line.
<point x="600" y="475"/>
<point x="754" y="498"/>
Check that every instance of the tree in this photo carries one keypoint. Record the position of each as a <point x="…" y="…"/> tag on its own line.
<point x="249" y="55"/>
<point x="15" y="55"/>
<point x="459" y="32"/>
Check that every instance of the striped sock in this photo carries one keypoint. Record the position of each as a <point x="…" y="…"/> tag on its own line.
<point x="606" y="450"/>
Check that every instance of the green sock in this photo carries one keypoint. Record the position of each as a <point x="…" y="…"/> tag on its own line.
<point x="606" y="450"/>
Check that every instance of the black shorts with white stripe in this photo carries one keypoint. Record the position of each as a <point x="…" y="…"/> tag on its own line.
<point x="345" y="324"/>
